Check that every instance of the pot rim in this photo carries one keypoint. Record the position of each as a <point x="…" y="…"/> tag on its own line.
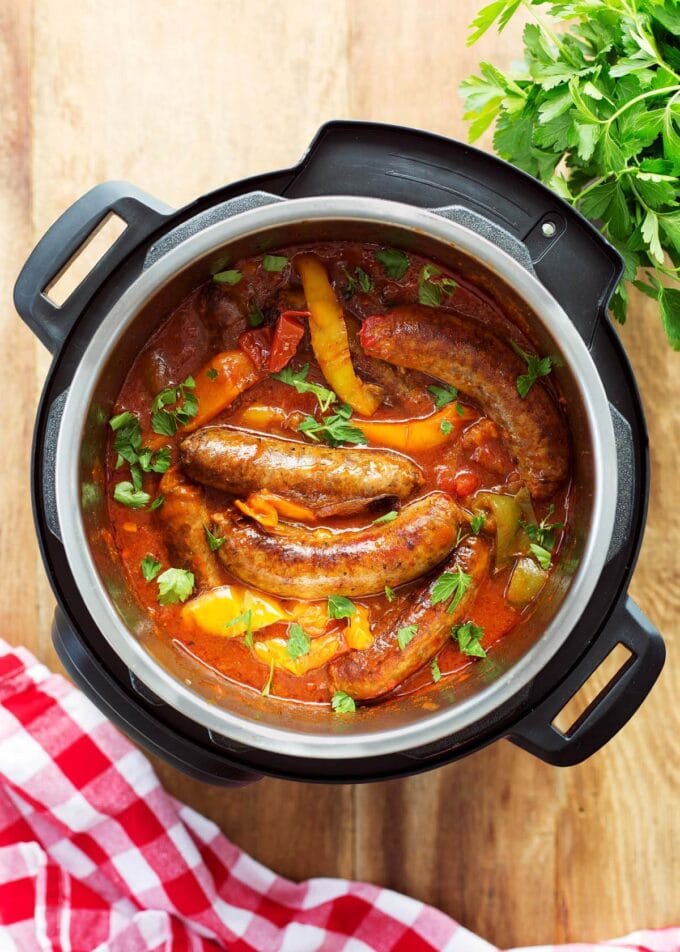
<point x="430" y="727"/>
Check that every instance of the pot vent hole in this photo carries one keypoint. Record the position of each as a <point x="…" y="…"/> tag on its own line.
<point x="593" y="690"/>
<point x="84" y="260"/>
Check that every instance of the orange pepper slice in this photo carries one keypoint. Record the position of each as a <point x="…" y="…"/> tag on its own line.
<point x="266" y="507"/>
<point x="412" y="436"/>
<point x="219" y="382"/>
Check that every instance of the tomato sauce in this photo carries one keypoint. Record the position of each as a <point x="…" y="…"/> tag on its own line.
<point x="211" y="320"/>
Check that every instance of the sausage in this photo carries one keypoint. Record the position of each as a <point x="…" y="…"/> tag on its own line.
<point x="371" y="673"/>
<point x="305" y="563"/>
<point x="184" y="517"/>
<point x="331" y="481"/>
<point x="465" y="354"/>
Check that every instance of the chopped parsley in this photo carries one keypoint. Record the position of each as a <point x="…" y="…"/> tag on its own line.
<point x="255" y="317"/>
<point x="431" y="292"/>
<point x="298" y="643"/>
<point x="364" y="279"/>
<point x="211" y="374"/>
<point x="342" y="703"/>
<point x="389" y="594"/>
<point x="468" y="636"/>
<point x="126" y="494"/>
<point x="233" y="276"/>
<point x="451" y="585"/>
<point x="150" y="567"/>
<point x="340" y="607"/>
<point x="542" y="555"/>
<point x="446" y="426"/>
<point x="436" y="673"/>
<point x="334" y="429"/>
<point x="543" y="533"/>
<point x="214" y="541"/>
<point x="175" y="585"/>
<point x="388" y="517"/>
<point x="394" y="263"/>
<point x="536" y="367"/>
<point x="477" y="523"/>
<point x="442" y="395"/>
<point x="245" y="619"/>
<point x="406" y="635"/>
<point x="158" y="502"/>
<point x="183" y="405"/>
<point x="128" y="445"/>
<point x="298" y="379"/>
<point x="275" y="263"/>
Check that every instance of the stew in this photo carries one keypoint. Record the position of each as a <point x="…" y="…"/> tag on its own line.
<point x="338" y="473"/>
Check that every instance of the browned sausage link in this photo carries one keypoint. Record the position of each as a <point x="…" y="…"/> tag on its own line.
<point x="314" y="563"/>
<point x="465" y="354"/>
<point x="380" y="668"/>
<point x="184" y="517"/>
<point x="330" y="481"/>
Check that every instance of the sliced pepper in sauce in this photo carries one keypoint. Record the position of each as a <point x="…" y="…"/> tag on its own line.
<point x="321" y="651"/>
<point x="413" y="436"/>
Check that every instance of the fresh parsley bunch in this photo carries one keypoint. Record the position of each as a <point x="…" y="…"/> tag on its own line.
<point x="594" y="112"/>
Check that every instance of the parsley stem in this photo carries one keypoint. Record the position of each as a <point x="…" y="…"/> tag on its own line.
<point x="631" y="102"/>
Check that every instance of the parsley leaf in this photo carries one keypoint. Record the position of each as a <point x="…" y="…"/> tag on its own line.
<point x="255" y="317"/>
<point x="431" y="292"/>
<point x="446" y="426"/>
<point x="340" y="607"/>
<point x="211" y="374"/>
<point x="334" y="429"/>
<point x="389" y="593"/>
<point x="157" y="503"/>
<point x="184" y="408"/>
<point x="342" y="703"/>
<point x="364" y="279"/>
<point x="468" y="636"/>
<point x="126" y="494"/>
<point x="593" y="110"/>
<point x="388" y="517"/>
<point x="394" y="263"/>
<point x="275" y="263"/>
<point x="436" y="673"/>
<point x="536" y="367"/>
<point x="298" y="379"/>
<point x="298" y="643"/>
<point x="477" y="523"/>
<point x="543" y="533"/>
<point x="406" y="635"/>
<point x="150" y="567"/>
<point x="442" y="395"/>
<point x="215" y="542"/>
<point x="450" y="585"/>
<point x="227" y="277"/>
<point x="245" y="619"/>
<point x="542" y="554"/>
<point x="175" y="585"/>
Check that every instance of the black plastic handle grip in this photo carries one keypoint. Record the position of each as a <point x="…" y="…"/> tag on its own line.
<point x="142" y="214"/>
<point x="613" y="708"/>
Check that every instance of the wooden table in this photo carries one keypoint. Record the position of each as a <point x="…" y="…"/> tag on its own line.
<point x="180" y="97"/>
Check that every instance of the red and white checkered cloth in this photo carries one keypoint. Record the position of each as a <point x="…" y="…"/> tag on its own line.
<point x="95" y="855"/>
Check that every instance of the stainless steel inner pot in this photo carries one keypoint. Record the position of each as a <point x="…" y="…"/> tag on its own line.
<point x="308" y="731"/>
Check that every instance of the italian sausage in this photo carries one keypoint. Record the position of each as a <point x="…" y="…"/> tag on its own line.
<point x="331" y="481"/>
<point x="314" y="563"/>
<point x="371" y="673"/>
<point x="465" y="354"/>
<point x="184" y="517"/>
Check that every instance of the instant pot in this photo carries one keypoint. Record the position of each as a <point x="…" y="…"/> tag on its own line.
<point x="552" y="273"/>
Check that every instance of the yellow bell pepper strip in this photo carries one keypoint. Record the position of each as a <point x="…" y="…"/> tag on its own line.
<point x="330" y="341"/>
<point x="526" y="582"/>
<point x="266" y="507"/>
<point x="223" y="378"/>
<point x="358" y="632"/>
<point x="507" y="511"/>
<point x="214" y="610"/>
<point x="415" y="435"/>
<point x="321" y="651"/>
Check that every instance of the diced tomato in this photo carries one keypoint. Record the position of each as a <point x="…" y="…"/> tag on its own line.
<point x="460" y="484"/>
<point x="465" y="484"/>
<point x="287" y="336"/>
<point x="257" y="344"/>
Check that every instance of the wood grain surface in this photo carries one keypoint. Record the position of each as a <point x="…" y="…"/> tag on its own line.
<point x="180" y="97"/>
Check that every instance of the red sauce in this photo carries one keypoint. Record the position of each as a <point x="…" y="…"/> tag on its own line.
<point x="210" y="320"/>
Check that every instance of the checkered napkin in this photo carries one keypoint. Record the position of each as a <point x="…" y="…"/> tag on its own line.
<point x="95" y="855"/>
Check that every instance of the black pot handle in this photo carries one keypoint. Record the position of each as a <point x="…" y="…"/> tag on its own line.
<point x="142" y="214"/>
<point x="613" y="707"/>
